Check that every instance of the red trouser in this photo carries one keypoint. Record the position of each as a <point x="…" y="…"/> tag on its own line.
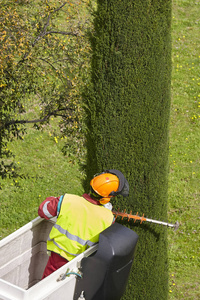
<point x="54" y="263"/>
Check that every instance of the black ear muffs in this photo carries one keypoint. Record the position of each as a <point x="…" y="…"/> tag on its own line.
<point x="123" y="188"/>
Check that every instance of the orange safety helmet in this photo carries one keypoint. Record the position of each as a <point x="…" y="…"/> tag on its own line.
<point x="103" y="185"/>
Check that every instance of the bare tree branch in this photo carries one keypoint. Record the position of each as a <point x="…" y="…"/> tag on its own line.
<point x="51" y="32"/>
<point x="44" y="32"/>
<point x="53" y="113"/>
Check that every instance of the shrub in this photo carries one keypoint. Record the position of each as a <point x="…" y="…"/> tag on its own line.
<point x="128" y="105"/>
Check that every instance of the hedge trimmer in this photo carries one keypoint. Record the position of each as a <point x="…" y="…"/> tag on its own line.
<point x="142" y="219"/>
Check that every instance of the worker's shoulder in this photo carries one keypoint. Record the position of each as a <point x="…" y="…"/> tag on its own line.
<point x="72" y="196"/>
<point x="73" y="199"/>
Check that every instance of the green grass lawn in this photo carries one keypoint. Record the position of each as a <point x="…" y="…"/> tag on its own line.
<point x="47" y="172"/>
<point x="184" y="176"/>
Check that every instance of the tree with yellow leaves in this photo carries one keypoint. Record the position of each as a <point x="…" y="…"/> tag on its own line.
<point x="42" y="52"/>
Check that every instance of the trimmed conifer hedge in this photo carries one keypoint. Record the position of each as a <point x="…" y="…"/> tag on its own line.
<point x="128" y="106"/>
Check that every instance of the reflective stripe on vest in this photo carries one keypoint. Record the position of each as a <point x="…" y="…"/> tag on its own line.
<point x="78" y="226"/>
<point x="62" y="248"/>
<point x="73" y="237"/>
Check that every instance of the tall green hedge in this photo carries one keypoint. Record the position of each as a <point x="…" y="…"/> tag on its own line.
<point x="128" y="106"/>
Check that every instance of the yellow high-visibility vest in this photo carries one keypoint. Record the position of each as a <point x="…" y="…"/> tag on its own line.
<point x="78" y="226"/>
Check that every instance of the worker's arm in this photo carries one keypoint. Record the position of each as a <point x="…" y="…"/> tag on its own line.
<point x="48" y="208"/>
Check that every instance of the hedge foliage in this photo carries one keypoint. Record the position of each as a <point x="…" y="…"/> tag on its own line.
<point x="128" y="106"/>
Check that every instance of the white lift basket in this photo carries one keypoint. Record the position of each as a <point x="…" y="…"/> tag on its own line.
<point x="23" y="258"/>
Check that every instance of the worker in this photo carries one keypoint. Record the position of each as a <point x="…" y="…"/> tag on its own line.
<point x="80" y="219"/>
